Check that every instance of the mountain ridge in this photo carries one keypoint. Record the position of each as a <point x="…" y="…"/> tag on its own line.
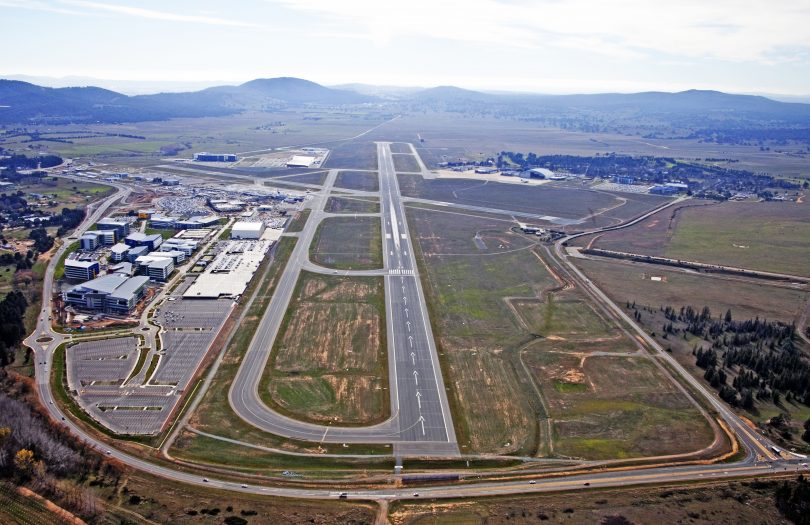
<point x="23" y="102"/>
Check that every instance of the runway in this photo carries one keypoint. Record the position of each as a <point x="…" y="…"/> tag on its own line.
<point x="420" y="423"/>
<point x="422" y="406"/>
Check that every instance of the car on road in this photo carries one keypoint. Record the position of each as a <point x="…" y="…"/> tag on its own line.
<point x="109" y="452"/>
<point x="532" y="482"/>
<point x="415" y="494"/>
<point x="243" y="486"/>
<point x="343" y="495"/>
<point x="587" y="484"/>
<point x="205" y="480"/>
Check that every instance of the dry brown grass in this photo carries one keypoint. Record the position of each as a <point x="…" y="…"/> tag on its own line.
<point x="329" y="362"/>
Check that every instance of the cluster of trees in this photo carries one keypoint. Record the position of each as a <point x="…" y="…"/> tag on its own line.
<point x="14" y="162"/>
<point x="15" y="207"/>
<point x="42" y="241"/>
<point x="36" y="453"/>
<point x="759" y="357"/>
<point x="704" y="325"/>
<point x="793" y="500"/>
<point x="68" y="220"/>
<point x="12" y="327"/>
<point x="13" y="203"/>
<point x="753" y="136"/>
<point x="20" y="261"/>
<point x="718" y="181"/>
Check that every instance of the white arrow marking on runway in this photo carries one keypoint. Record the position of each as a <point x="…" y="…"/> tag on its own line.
<point x="410" y="340"/>
<point x="416" y="376"/>
<point x="394" y="227"/>
<point x="422" y="420"/>
<point x="409" y="325"/>
<point x="419" y="399"/>
<point x="405" y="299"/>
<point x="403" y="289"/>
<point x="406" y="312"/>
<point x="406" y="252"/>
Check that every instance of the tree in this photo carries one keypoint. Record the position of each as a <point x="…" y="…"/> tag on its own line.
<point x="748" y="399"/>
<point x="24" y="460"/>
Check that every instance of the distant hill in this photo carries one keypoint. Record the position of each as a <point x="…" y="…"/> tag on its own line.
<point x="652" y="102"/>
<point x="22" y="102"/>
<point x="452" y="93"/>
<point x="292" y="90"/>
<point x="694" y="113"/>
<point x="684" y="102"/>
<point x="386" y="92"/>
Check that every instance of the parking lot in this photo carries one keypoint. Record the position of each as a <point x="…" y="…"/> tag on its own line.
<point x="106" y="362"/>
<point x="129" y="412"/>
<point x="183" y="353"/>
<point x="97" y="369"/>
<point x="193" y="313"/>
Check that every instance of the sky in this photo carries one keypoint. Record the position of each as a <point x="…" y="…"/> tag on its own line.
<point x="546" y="46"/>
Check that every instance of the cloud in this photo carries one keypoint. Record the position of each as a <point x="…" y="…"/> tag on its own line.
<point x="88" y="7"/>
<point x="36" y="5"/>
<point x="730" y="30"/>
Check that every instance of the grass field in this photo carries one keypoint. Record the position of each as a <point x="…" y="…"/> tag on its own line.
<point x="613" y="407"/>
<point x="738" y="502"/>
<point x="352" y="205"/>
<point x="769" y="236"/>
<point x="59" y="272"/>
<point x="63" y="193"/>
<point x="21" y="510"/>
<point x="165" y="233"/>
<point x="353" y="155"/>
<point x="567" y="318"/>
<point x="308" y="178"/>
<point x="6" y="279"/>
<point x="163" y="501"/>
<point x="405" y="162"/>
<point x="214" y="414"/>
<point x="567" y="203"/>
<point x="631" y="282"/>
<point x="533" y="369"/>
<point x="200" y="449"/>
<point x="400" y="147"/>
<point x="449" y="136"/>
<point x="298" y="221"/>
<point x="248" y="131"/>
<point x="348" y="243"/>
<point x="330" y="360"/>
<point x="358" y="180"/>
<point x="477" y="332"/>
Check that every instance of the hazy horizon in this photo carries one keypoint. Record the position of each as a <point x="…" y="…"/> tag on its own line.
<point x="577" y="46"/>
<point x="147" y="87"/>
